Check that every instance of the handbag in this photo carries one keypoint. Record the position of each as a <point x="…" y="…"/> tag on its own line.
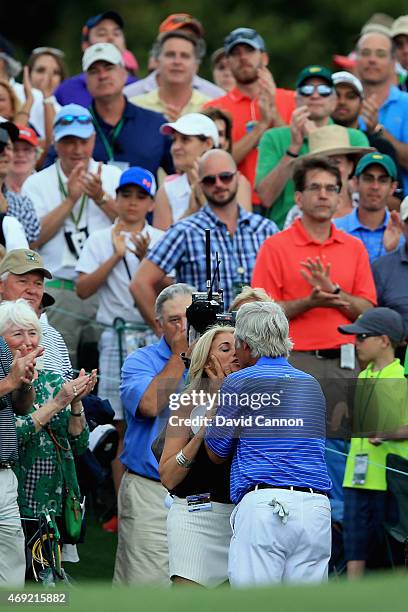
<point x="71" y="505"/>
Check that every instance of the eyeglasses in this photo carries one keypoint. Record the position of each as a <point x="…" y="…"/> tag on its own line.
<point x="211" y="179"/>
<point x="69" y="119"/>
<point x="317" y="187"/>
<point x="308" y="90"/>
<point x="51" y="50"/>
<point x="362" y="337"/>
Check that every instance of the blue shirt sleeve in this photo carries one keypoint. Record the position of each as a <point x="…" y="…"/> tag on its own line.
<point x="138" y="372"/>
<point x="221" y="436"/>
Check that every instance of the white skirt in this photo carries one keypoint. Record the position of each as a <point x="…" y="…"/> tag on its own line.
<point x="199" y="542"/>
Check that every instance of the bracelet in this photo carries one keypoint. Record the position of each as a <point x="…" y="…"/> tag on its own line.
<point x="37" y="420"/>
<point x="49" y="100"/>
<point x="23" y="112"/>
<point x="104" y="199"/>
<point x="291" y="154"/>
<point x="183" y="461"/>
<point x="78" y="414"/>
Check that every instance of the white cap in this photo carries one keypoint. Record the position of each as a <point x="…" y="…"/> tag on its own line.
<point x="400" y="26"/>
<point x="348" y="78"/>
<point x="404" y="209"/>
<point x="193" y="124"/>
<point x="101" y="52"/>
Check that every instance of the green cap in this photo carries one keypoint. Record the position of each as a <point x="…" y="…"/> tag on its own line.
<point x="314" y="71"/>
<point x="381" y="160"/>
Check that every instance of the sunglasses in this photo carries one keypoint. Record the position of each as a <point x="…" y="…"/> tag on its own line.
<point x="308" y="90"/>
<point x="211" y="179"/>
<point x="50" y="50"/>
<point x="69" y="120"/>
<point x="362" y="337"/>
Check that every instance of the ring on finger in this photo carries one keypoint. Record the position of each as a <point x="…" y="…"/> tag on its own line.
<point x="75" y="390"/>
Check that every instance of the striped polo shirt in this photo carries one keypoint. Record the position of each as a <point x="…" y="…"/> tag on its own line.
<point x="272" y="418"/>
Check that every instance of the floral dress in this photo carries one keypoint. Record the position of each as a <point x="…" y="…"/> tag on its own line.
<point x="41" y="469"/>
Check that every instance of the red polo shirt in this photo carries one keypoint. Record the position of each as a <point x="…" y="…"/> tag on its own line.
<point x="245" y="110"/>
<point x="277" y="270"/>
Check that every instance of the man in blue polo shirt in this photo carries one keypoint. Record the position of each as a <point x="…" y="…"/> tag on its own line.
<point x="149" y="376"/>
<point x="378" y="229"/>
<point x="271" y="418"/>
<point x="126" y="135"/>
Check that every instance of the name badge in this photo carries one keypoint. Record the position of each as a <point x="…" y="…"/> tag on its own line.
<point x="199" y="503"/>
<point x="360" y="469"/>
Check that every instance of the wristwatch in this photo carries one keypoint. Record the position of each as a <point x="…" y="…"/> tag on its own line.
<point x="104" y="199"/>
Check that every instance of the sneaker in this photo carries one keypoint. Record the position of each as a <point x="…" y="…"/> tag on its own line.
<point x="111" y="526"/>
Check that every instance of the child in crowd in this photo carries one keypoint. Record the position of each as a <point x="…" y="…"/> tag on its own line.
<point x="380" y="417"/>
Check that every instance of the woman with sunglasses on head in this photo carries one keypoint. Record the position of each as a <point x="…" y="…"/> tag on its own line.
<point x="180" y="195"/>
<point x="198" y="528"/>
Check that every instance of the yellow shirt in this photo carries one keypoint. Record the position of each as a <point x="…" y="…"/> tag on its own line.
<point x="152" y="101"/>
<point x="380" y="405"/>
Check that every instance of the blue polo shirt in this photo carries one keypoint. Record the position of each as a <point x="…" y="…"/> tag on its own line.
<point x="139" y="142"/>
<point x="393" y="115"/>
<point x="290" y="451"/>
<point x="372" y="239"/>
<point x="391" y="281"/>
<point x="138" y="372"/>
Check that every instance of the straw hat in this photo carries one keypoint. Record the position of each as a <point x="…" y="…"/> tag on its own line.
<point x="333" y="140"/>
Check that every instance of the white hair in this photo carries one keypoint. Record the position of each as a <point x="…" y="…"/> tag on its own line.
<point x="263" y="326"/>
<point x="170" y="293"/>
<point x="20" y="314"/>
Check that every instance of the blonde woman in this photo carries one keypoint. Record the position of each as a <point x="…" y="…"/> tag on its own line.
<point x="198" y="527"/>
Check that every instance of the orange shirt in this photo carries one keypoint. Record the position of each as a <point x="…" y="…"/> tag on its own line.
<point x="244" y="111"/>
<point x="277" y="270"/>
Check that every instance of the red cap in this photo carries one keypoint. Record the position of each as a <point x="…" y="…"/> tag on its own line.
<point x="176" y="21"/>
<point x="345" y="62"/>
<point x="27" y="135"/>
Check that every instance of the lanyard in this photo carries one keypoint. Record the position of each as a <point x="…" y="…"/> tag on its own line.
<point x="367" y="403"/>
<point x="63" y="191"/>
<point x="109" y="146"/>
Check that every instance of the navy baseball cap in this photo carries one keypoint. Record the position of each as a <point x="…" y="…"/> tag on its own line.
<point x="93" y="21"/>
<point x="73" y="120"/>
<point x="140" y="177"/>
<point x="378" y="322"/>
<point x="245" y="36"/>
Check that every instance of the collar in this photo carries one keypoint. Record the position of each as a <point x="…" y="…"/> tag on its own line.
<point x="355" y="223"/>
<point x="130" y="111"/>
<point x="389" y="371"/>
<point x="272" y="361"/>
<point x="243" y="215"/>
<point x="163" y="348"/>
<point x="302" y="238"/>
<point x="394" y="95"/>
<point x="236" y="95"/>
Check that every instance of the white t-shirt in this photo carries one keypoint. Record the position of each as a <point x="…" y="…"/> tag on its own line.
<point x="14" y="234"/>
<point x="44" y="191"/>
<point x="115" y="299"/>
<point x="178" y="192"/>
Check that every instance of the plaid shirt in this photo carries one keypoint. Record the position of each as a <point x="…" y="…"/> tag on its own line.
<point x="183" y="248"/>
<point x="21" y="207"/>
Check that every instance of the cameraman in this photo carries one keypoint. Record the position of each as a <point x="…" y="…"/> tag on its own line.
<point x="149" y="376"/>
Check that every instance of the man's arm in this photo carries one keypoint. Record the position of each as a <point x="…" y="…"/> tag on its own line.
<point x="401" y="149"/>
<point x="242" y="147"/>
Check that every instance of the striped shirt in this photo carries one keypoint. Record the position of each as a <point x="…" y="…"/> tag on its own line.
<point x="21" y="207"/>
<point x="272" y="418"/>
<point x="8" y="435"/>
<point x="56" y="355"/>
<point x="183" y="248"/>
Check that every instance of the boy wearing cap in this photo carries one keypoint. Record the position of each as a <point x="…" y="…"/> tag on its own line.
<point x="107" y="263"/>
<point x="381" y="416"/>
<point x="371" y="222"/>
<point x="280" y="146"/>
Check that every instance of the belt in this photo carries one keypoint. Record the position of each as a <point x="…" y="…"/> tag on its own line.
<point x="61" y="283"/>
<point x="5" y="465"/>
<point x="288" y="487"/>
<point x="140" y="476"/>
<point x="325" y="353"/>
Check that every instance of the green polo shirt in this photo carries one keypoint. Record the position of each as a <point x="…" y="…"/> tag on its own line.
<point x="380" y="405"/>
<point x="272" y="147"/>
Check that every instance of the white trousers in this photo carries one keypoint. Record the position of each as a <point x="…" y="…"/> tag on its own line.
<point x="12" y="544"/>
<point x="280" y="536"/>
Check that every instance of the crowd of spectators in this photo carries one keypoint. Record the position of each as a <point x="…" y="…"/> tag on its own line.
<point x="108" y="185"/>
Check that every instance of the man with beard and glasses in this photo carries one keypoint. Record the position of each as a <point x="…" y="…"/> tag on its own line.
<point x="235" y="234"/>
<point x="255" y="104"/>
